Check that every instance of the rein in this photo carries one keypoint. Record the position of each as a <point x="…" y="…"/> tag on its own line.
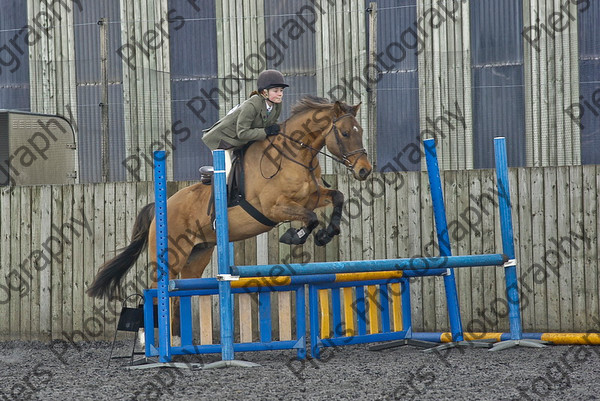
<point x="344" y="160"/>
<point x="345" y="155"/>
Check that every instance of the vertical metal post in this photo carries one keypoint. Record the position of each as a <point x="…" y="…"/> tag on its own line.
<point x="315" y="334"/>
<point x="148" y="323"/>
<point x="406" y="306"/>
<point x="441" y="226"/>
<point x="224" y="249"/>
<point x="301" y="322"/>
<point x="162" y="256"/>
<point x="373" y="79"/>
<point x="508" y="246"/>
<point x="103" y="23"/>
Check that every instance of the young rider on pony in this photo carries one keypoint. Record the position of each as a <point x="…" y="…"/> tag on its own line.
<point x="253" y="120"/>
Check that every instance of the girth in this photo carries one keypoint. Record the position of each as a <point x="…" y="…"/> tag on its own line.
<point x="236" y="195"/>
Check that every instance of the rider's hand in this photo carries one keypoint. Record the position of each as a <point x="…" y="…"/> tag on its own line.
<point x="272" y="130"/>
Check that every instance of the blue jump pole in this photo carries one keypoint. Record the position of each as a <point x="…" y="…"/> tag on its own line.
<point x="441" y="226"/>
<point x="223" y="247"/>
<point x="160" y="199"/>
<point x="413" y="266"/>
<point x="508" y="246"/>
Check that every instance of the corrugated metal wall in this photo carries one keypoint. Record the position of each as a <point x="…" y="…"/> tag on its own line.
<point x="445" y="98"/>
<point x="88" y="36"/>
<point x="497" y="80"/>
<point x="194" y="82"/>
<point x="585" y="111"/>
<point x="294" y="56"/>
<point x="298" y="38"/>
<point x="341" y="50"/>
<point x="461" y="70"/>
<point x="239" y="35"/>
<point x="51" y="61"/>
<point x="551" y="77"/>
<point x="14" y="53"/>
<point x="398" y="89"/>
<point x="146" y="79"/>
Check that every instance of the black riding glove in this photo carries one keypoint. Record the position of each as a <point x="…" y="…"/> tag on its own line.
<point x="272" y="129"/>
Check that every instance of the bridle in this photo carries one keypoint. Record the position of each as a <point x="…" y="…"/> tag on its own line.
<point x="311" y="167"/>
<point x="345" y="154"/>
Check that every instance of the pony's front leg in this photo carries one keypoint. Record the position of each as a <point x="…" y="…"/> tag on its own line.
<point x="287" y="209"/>
<point x="325" y="235"/>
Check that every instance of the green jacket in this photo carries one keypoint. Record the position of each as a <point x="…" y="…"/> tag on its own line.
<point x="243" y="124"/>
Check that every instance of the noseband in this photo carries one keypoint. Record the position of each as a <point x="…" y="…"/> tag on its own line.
<point x="345" y="154"/>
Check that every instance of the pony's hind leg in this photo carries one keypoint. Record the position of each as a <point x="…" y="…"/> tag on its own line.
<point x="193" y="268"/>
<point x="197" y="262"/>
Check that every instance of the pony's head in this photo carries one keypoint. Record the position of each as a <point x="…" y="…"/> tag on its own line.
<point x="345" y="140"/>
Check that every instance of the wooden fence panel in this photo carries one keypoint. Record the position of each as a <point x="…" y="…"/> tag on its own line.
<point x="427" y="238"/>
<point x="550" y="218"/>
<point x="488" y="203"/>
<point x="475" y="221"/>
<point x="463" y="276"/>
<point x="413" y="228"/>
<point x="514" y="195"/>
<point x="577" y="247"/>
<point x="79" y="229"/>
<point x="65" y="232"/>
<point x="25" y="265"/>
<point x="54" y="238"/>
<point x="57" y="267"/>
<point x="5" y="241"/>
<point x="89" y="263"/>
<point x="590" y="251"/>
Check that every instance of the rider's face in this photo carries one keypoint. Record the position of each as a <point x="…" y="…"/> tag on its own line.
<point x="275" y="95"/>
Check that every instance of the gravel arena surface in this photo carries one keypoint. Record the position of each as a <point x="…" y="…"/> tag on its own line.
<point x="64" y="371"/>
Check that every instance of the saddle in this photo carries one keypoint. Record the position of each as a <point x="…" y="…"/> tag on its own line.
<point x="235" y="188"/>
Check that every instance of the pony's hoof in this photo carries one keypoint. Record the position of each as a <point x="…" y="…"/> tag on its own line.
<point x="294" y="237"/>
<point x="322" y="238"/>
<point x="332" y="231"/>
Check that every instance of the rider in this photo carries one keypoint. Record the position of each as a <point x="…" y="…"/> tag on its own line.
<point x="253" y="120"/>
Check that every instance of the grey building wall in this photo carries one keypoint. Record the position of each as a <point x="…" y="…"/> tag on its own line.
<point x="463" y="71"/>
<point x="398" y="88"/>
<point x="194" y="83"/>
<point x="87" y="35"/>
<point x="497" y="76"/>
<point x="14" y="53"/>
<point x="586" y="110"/>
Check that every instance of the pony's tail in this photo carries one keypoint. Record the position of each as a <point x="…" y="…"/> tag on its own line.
<point x="111" y="272"/>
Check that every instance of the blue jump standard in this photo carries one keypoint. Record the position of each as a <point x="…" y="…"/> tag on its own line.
<point x="164" y="329"/>
<point x="508" y="247"/>
<point x="441" y="228"/>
